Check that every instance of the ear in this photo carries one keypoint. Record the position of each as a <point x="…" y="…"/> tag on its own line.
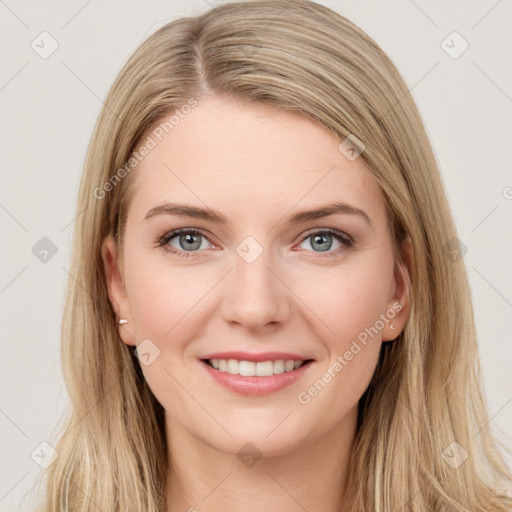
<point x="399" y="306"/>
<point x="116" y="288"/>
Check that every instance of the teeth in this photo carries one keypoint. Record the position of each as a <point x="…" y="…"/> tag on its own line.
<point x="251" y="369"/>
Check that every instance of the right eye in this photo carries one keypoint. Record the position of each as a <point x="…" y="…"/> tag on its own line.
<point x="188" y="241"/>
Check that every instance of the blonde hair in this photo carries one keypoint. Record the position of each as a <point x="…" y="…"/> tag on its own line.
<point x="425" y="393"/>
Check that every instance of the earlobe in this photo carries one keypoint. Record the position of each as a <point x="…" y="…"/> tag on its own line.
<point x="116" y="288"/>
<point x="399" y="306"/>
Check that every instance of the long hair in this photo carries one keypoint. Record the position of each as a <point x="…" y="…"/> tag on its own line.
<point x="424" y="408"/>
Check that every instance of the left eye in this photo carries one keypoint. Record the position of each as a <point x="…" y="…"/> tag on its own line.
<point x="322" y="240"/>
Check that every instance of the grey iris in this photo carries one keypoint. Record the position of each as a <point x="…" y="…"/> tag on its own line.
<point x="189" y="238"/>
<point x="319" y="239"/>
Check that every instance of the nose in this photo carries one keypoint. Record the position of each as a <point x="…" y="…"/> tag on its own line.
<point x="255" y="295"/>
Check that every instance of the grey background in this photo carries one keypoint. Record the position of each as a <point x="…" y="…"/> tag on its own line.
<point x="48" y="109"/>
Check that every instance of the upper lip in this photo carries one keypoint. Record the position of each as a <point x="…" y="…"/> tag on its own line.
<point x="263" y="356"/>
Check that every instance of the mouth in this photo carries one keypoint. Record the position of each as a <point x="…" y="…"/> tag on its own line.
<point x="256" y="369"/>
<point x="256" y="378"/>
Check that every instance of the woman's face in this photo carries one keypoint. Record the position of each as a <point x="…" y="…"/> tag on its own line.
<point x="263" y="280"/>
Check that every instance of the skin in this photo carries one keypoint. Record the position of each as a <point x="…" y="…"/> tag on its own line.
<point x="256" y="166"/>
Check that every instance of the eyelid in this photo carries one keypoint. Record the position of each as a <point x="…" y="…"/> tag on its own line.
<point x="332" y="231"/>
<point x="169" y="235"/>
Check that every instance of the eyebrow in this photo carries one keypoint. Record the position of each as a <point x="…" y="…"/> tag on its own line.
<point x="183" y="210"/>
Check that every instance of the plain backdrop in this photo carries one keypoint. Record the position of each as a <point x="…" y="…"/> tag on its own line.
<point x="49" y="104"/>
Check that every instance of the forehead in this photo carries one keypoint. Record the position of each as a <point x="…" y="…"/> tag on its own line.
<point x="237" y="158"/>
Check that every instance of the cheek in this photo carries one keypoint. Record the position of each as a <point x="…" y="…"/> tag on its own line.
<point x="347" y="299"/>
<point x="167" y="301"/>
<point x="350" y="303"/>
<point x="164" y="296"/>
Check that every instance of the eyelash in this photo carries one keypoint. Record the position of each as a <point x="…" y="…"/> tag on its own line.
<point x="347" y="241"/>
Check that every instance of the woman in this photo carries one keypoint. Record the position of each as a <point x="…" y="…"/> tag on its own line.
<point x="263" y="312"/>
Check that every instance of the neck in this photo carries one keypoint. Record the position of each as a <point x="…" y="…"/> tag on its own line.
<point x="311" y="477"/>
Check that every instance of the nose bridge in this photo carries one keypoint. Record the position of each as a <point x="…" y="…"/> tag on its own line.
<point x="255" y="296"/>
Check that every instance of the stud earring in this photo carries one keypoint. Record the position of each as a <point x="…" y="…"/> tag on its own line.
<point x="123" y="321"/>
<point x="391" y="326"/>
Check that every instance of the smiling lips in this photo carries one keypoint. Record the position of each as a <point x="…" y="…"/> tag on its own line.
<point x="249" y="365"/>
<point x="242" y="372"/>
<point x="251" y="368"/>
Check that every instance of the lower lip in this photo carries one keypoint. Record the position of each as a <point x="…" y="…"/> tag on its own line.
<point x="256" y="386"/>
